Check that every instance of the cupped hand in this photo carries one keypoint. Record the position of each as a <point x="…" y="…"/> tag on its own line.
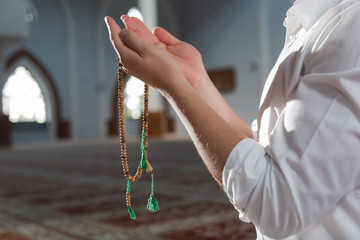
<point x="145" y="60"/>
<point x="187" y="57"/>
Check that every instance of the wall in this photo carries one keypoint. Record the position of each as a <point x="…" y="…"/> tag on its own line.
<point x="13" y="11"/>
<point x="277" y="13"/>
<point x="228" y="34"/>
<point x="70" y="39"/>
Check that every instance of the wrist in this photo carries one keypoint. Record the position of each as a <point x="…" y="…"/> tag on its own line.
<point x="176" y="87"/>
<point x="203" y="82"/>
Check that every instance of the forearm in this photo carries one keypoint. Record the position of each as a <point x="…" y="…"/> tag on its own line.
<point x="210" y="94"/>
<point x="213" y="137"/>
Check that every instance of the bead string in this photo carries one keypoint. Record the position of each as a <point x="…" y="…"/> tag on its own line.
<point x="144" y="163"/>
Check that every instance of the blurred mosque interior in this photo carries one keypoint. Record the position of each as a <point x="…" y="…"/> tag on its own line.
<point x="60" y="169"/>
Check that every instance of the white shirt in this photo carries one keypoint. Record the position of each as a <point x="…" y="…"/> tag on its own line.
<point x="301" y="178"/>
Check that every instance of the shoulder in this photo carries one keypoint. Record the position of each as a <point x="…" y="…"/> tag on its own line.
<point x="335" y="41"/>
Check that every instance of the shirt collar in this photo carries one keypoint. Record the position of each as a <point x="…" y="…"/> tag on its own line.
<point x="310" y="11"/>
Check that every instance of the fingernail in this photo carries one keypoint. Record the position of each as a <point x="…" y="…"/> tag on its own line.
<point x="123" y="32"/>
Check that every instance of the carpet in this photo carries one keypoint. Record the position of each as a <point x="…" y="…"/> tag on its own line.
<point x="76" y="190"/>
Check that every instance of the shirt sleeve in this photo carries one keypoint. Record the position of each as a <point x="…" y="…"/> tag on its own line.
<point x="312" y="160"/>
<point x="309" y="165"/>
<point x="241" y="176"/>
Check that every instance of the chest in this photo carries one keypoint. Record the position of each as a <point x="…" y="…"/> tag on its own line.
<point x="282" y="83"/>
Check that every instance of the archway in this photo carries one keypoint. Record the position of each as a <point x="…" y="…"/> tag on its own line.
<point x="55" y="127"/>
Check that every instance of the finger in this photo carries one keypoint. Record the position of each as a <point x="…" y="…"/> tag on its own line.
<point x="130" y="24"/>
<point x="111" y="24"/>
<point x="165" y="37"/>
<point x="133" y="41"/>
<point x="113" y="28"/>
<point x="121" y="49"/>
<point x="114" y="31"/>
<point x="145" y="30"/>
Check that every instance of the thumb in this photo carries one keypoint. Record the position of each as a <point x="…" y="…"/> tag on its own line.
<point x="165" y="37"/>
<point x="133" y="41"/>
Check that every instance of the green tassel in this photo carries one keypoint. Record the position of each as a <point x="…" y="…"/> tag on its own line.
<point x="143" y="159"/>
<point x="131" y="212"/>
<point x="152" y="205"/>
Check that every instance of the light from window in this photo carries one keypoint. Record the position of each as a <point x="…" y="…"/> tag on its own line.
<point x="22" y="99"/>
<point x="135" y="12"/>
<point x="134" y="89"/>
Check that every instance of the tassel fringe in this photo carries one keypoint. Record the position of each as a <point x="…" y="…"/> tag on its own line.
<point x="152" y="205"/>
<point x="131" y="212"/>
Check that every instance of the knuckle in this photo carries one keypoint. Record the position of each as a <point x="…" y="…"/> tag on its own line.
<point x="125" y="34"/>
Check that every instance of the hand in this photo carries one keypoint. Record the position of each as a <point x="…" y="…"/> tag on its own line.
<point x="187" y="57"/>
<point x="145" y="60"/>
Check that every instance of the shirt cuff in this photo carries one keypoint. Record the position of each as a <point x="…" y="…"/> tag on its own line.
<point x="244" y="167"/>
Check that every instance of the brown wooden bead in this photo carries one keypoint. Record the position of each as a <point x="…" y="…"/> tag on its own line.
<point x="122" y="135"/>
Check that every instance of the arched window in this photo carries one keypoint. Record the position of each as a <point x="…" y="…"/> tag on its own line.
<point x="22" y="99"/>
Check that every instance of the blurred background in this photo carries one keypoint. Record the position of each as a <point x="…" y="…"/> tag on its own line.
<point x="60" y="172"/>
